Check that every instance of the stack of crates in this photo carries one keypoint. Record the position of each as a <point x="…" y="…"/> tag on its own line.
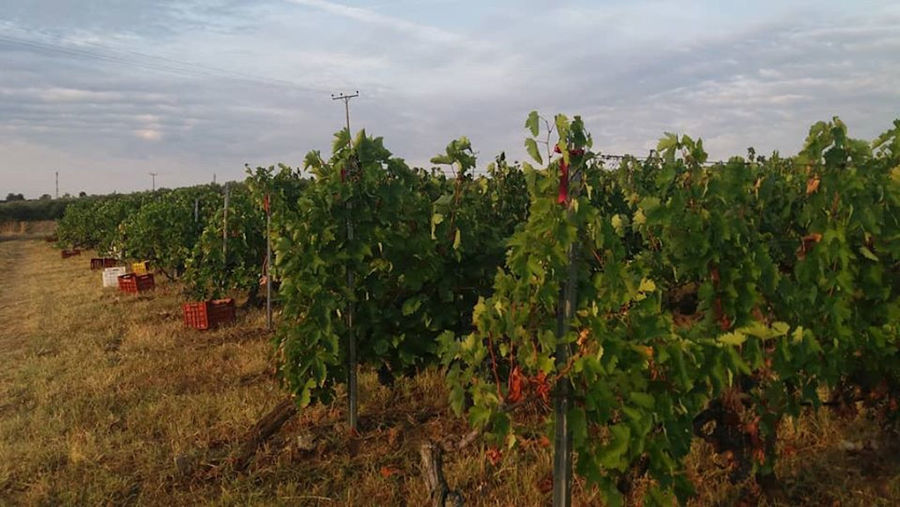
<point x="111" y="276"/>
<point x="103" y="262"/>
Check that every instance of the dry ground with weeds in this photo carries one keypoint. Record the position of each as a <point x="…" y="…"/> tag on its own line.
<point x="17" y="230"/>
<point x="101" y="392"/>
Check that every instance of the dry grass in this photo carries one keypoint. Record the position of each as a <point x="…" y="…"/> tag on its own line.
<point x="100" y="392"/>
<point x="26" y="230"/>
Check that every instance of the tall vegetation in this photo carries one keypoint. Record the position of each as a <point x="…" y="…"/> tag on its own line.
<point x="662" y="300"/>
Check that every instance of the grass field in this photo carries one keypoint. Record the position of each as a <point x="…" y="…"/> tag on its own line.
<point x="18" y="230"/>
<point x="101" y="394"/>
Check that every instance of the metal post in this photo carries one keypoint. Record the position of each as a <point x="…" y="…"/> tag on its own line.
<point x="351" y="281"/>
<point x="196" y="210"/>
<point x="225" y="230"/>
<point x="268" y="266"/>
<point x="57" y="184"/>
<point x="562" y="441"/>
<point x="351" y="335"/>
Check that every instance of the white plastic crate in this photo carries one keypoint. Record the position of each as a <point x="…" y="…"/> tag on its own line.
<point x="111" y="276"/>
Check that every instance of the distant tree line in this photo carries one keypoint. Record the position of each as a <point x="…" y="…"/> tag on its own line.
<point x="17" y="208"/>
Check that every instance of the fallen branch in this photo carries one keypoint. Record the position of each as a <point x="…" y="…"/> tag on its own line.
<point x="468" y="439"/>
<point x="432" y="469"/>
<point x="262" y="431"/>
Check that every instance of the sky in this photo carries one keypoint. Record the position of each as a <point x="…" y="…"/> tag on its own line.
<point x="107" y="91"/>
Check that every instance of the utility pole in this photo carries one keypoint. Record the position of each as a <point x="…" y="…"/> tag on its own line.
<point x="153" y="175"/>
<point x="351" y="281"/>
<point x="346" y="99"/>
<point x="57" y="184"/>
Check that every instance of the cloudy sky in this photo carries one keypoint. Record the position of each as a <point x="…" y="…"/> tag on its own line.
<point x="105" y="91"/>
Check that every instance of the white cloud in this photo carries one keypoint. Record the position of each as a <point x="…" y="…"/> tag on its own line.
<point x="424" y="32"/>
<point x="148" y="134"/>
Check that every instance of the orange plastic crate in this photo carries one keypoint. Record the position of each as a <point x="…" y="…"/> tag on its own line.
<point x="132" y="284"/>
<point x="208" y="314"/>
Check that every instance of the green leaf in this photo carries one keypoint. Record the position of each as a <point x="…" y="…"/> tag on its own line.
<point x="436" y="219"/>
<point x="667" y="142"/>
<point x="533" y="123"/>
<point x="735" y="338"/>
<point x="780" y="328"/>
<point x="532" y="148"/>
<point x="868" y="253"/>
<point x="457" y="240"/>
<point x="610" y="456"/>
<point x="647" y="285"/>
<point x="479" y="416"/>
<point x="642" y="400"/>
<point x="562" y="128"/>
<point x="510" y="440"/>
<point x="411" y="305"/>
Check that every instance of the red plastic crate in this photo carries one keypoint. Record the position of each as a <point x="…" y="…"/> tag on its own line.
<point x="103" y="262"/>
<point x="133" y="284"/>
<point x="208" y="314"/>
<point x="70" y="253"/>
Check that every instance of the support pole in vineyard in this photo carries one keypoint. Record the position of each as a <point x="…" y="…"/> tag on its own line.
<point x="562" y="440"/>
<point x="225" y="230"/>
<point x="268" y="265"/>
<point x="196" y="210"/>
<point x="351" y="282"/>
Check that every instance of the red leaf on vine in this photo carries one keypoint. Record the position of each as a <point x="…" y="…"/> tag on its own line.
<point x="542" y="388"/>
<point x="583" y="336"/>
<point x="758" y="314"/>
<point x="812" y="185"/>
<point x="515" y="386"/>
<point x="759" y="455"/>
<point x="752" y="428"/>
<point x="724" y="321"/>
<point x="714" y="276"/>
<point x="545" y="485"/>
<point x="807" y="243"/>
<point x="563" y="182"/>
<point x="494" y="456"/>
<point x="645" y="351"/>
